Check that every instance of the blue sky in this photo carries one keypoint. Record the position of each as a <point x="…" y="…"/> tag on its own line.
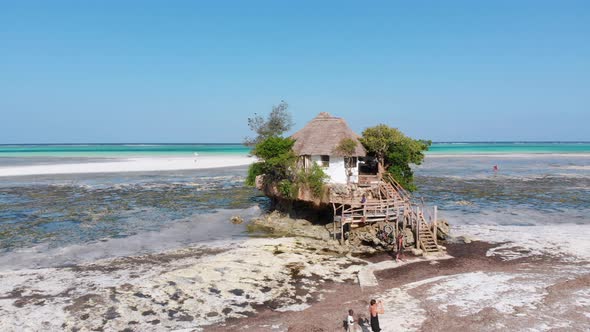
<point x="193" y="71"/>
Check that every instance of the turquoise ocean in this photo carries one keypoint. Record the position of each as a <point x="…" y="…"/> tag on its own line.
<point x="135" y="150"/>
<point x="120" y="150"/>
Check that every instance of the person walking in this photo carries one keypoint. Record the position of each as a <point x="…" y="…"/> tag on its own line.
<point x="375" y="309"/>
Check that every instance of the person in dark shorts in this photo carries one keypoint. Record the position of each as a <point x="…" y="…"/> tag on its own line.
<point x="375" y="309"/>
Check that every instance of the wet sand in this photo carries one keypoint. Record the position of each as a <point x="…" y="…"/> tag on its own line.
<point x="469" y="259"/>
<point x="302" y="284"/>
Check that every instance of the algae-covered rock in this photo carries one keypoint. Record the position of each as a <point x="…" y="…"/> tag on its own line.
<point x="409" y="237"/>
<point x="236" y="220"/>
<point x="443" y="229"/>
<point x="460" y="239"/>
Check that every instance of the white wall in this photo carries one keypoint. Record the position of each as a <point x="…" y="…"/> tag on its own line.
<point x="337" y="171"/>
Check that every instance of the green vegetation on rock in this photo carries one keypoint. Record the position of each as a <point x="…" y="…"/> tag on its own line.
<point x="395" y="152"/>
<point x="277" y="161"/>
<point x="314" y="179"/>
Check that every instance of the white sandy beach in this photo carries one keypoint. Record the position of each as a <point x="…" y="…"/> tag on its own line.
<point x="143" y="164"/>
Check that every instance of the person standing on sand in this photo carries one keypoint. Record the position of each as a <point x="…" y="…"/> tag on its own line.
<point x="400" y="246"/>
<point x="375" y="309"/>
<point x="350" y="321"/>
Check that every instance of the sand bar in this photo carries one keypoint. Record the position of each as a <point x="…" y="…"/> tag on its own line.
<point x="144" y="164"/>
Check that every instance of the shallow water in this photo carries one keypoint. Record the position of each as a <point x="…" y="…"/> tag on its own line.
<point x="525" y="191"/>
<point x="59" y="211"/>
<point x="88" y="216"/>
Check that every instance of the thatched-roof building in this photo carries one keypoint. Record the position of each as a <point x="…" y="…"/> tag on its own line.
<point x="358" y="191"/>
<point x="318" y="142"/>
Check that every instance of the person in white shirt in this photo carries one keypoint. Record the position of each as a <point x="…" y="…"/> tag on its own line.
<point x="350" y="321"/>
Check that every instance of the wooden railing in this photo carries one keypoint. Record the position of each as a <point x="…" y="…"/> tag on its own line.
<point x="365" y="180"/>
<point x="392" y="203"/>
<point x="398" y="187"/>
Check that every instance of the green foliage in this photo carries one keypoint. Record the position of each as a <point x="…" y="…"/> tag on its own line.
<point x="347" y="147"/>
<point x="314" y="179"/>
<point x="277" y="157"/>
<point x="278" y="121"/>
<point x="274" y="147"/>
<point x="277" y="162"/>
<point x="395" y="152"/>
<point x="378" y="140"/>
<point x="288" y="189"/>
<point x="253" y="171"/>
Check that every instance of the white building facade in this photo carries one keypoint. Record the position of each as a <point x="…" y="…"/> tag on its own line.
<point x="335" y="168"/>
<point x="321" y="142"/>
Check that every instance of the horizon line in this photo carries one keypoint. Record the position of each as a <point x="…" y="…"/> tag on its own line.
<point x="235" y="143"/>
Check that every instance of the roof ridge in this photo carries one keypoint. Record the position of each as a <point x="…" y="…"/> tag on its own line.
<point x="323" y="134"/>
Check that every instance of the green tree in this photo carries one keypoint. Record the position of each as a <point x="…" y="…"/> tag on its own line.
<point x="395" y="152"/>
<point x="277" y="122"/>
<point x="276" y="159"/>
<point x="347" y="147"/>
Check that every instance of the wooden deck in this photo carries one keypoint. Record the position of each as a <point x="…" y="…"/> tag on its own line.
<point x="394" y="205"/>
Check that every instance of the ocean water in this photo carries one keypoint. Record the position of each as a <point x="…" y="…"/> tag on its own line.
<point x="154" y="150"/>
<point x="525" y="190"/>
<point x="510" y="148"/>
<point x="62" y="219"/>
<point x="119" y="150"/>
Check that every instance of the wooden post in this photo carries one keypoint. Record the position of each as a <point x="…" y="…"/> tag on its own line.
<point x="334" y="222"/>
<point x="435" y="224"/>
<point x="404" y="221"/>
<point x="418" y="228"/>
<point x="397" y="220"/>
<point x="342" y="231"/>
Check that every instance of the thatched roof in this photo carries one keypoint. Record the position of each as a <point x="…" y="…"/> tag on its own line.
<point x="322" y="135"/>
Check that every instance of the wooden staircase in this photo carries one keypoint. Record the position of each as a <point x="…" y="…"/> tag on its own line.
<point x="388" y="192"/>
<point x="426" y="238"/>
<point x="392" y="202"/>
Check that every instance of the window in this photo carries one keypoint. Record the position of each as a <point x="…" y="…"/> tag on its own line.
<point x="325" y="161"/>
